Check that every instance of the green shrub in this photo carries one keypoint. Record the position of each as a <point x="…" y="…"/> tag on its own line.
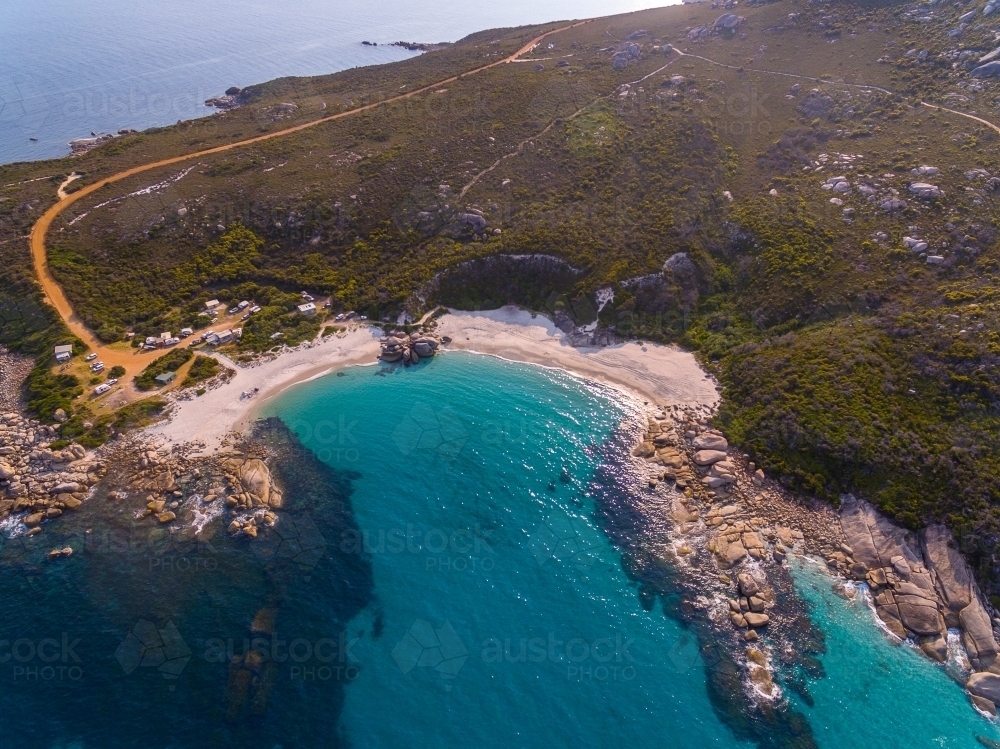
<point x="203" y="368"/>
<point x="168" y="363"/>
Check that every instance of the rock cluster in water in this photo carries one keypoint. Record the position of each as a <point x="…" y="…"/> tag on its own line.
<point x="251" y="489"/>
<point x="410" y="348"/>
<point x="922" y="586"/>
<point x="173" y="480"/>
<point x="721" y="502"/>
<point x="733" y="530"/>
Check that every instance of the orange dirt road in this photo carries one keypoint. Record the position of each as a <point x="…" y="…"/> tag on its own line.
<point x="131" y="359"/>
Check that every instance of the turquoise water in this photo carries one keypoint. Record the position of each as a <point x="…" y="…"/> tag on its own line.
<point x="484" y="465"/>
<point x="69" y="67"/>
<point x="441" y="576"/>
<point x="875" y="691"/>
<point x="474" y="643"/>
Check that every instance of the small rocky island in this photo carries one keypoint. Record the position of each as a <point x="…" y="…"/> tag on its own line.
<point x="410" y="348"/>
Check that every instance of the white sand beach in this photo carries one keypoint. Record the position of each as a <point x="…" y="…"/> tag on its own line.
<point x="665" y="375"/>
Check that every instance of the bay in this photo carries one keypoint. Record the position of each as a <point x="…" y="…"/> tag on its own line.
<point x="72" y="67"/>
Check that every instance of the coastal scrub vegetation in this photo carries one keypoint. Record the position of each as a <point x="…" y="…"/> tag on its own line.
<point x="171" y="362"/>
<point x="696" y="189"/>
<point x="202" y="368"/>
<point x="91" y="431"/>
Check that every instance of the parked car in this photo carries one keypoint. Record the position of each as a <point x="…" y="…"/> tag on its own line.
<point x="102" y="389"/>
<point x="97" y="366"/>
<point x="233" y="310"/>
<point x="112" y="381"/>
<point x="254" y="310"/>
<point x="245" y="317"/>
<point x="91" y="356"/>
<point x="243" y="305"/>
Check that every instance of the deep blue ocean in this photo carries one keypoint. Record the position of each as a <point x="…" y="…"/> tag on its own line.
<point x="443" y="575"/>
<point x="72" y="67"/>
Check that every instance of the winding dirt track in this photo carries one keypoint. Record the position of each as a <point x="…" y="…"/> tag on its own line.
<point x="980" y="120"/>
<point x="132" y="360"/>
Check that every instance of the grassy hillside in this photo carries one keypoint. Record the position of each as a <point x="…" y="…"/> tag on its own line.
<point x="851" y="362"/>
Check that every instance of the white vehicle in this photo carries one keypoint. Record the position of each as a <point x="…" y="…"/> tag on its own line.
<point x="233" y="310"/>
<point x="112" y="381"/>
<point x="102" y="389"/>
<point x="186" y="332"/>
<point x="97" y="366"/>
<point x="254" y="310"/>
<point x="171" y="341"/>
<point x="245" y="317"/>
<point x="243" y="305"/>
<point x="91" y="357"/>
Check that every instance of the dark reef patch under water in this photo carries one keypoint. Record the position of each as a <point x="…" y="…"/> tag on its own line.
<point x="159" y="640"/>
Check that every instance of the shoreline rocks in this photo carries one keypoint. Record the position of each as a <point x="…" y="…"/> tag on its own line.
<point x="720" y="502"/>
<point x="410" y="348"/>
<point x="36" y="480"/>
<point x="922" y="586"/>
<point x="179" y="486"/>
<point x="729" y="537"/>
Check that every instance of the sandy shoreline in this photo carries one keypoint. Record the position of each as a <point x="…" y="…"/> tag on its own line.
<point x="664" y="375"/>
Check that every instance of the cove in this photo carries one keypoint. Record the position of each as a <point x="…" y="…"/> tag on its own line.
<point x="502" y="613"/>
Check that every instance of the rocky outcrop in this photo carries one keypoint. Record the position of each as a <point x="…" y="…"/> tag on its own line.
<point x="985" y="686"/>
<point x="251" y="485"/>
<point x="732" y="531"/>
<point x="256" y="480"/>
<point x="14" y="371"/>
<point x="729" y="517"/>
<point x="409" y="348"/>
<point x="922" y="585"/>
<point x="926" y="190"/>
<point x="180" y="485"/>
<point x="988" y="70"/>
<point x="36" y="481"/>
